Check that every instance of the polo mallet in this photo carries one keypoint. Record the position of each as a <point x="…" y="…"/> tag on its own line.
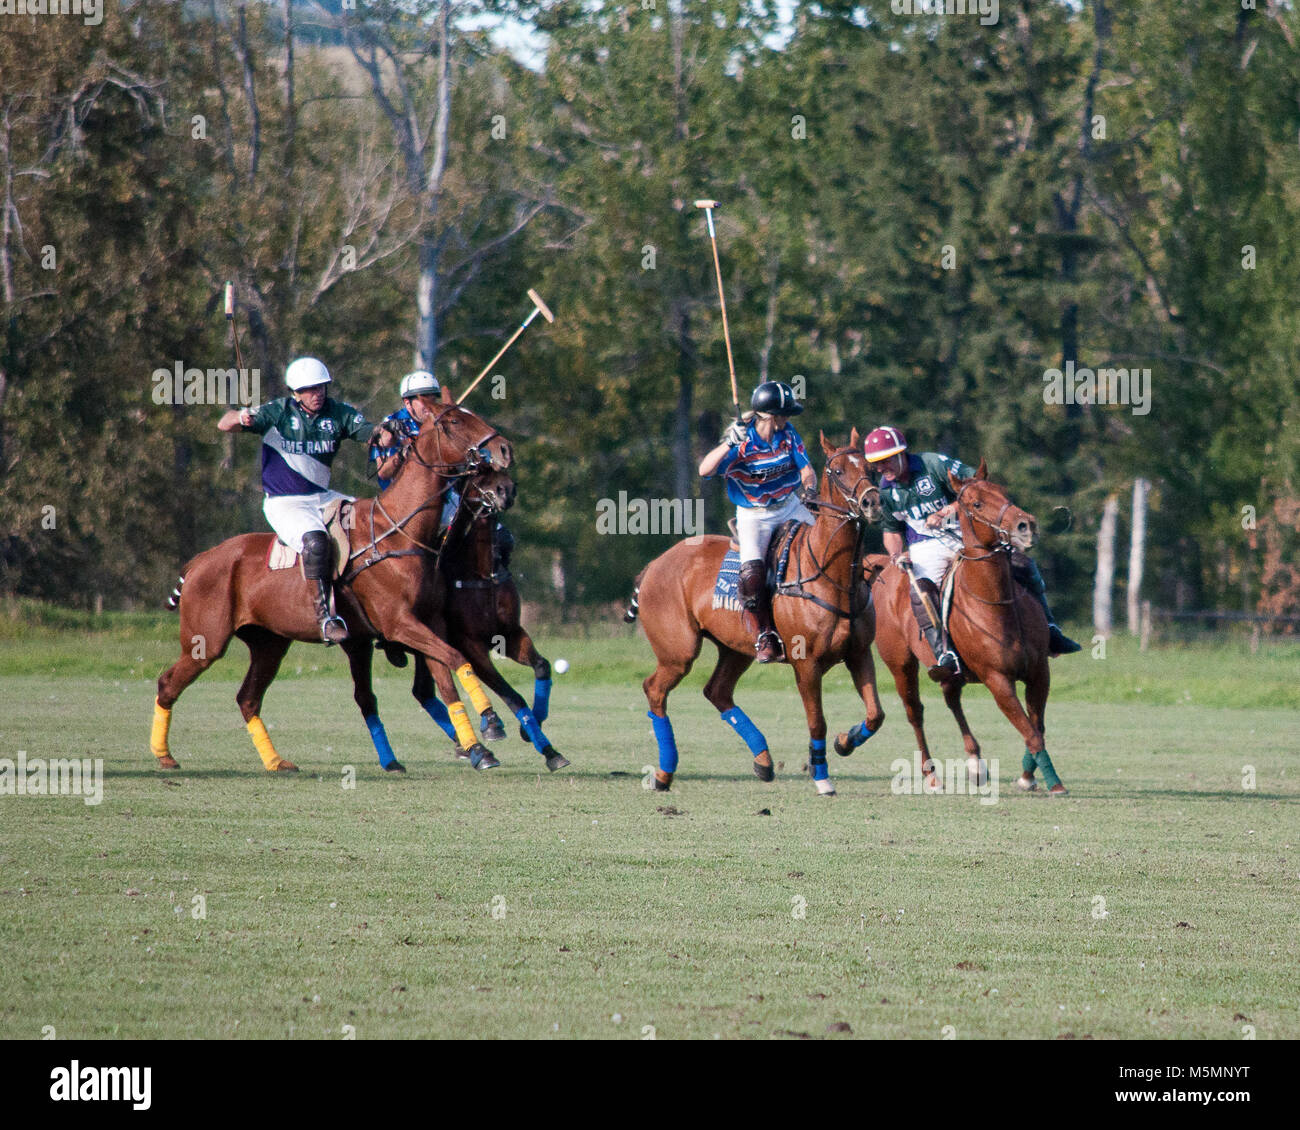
<point x="230" y="321"/>
<point x="539" y="307"/>
<point x="922" y="596"/>
<point x="708" y="206"/>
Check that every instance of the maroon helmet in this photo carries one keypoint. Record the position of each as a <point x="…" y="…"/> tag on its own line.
<point x="882" y="443"/>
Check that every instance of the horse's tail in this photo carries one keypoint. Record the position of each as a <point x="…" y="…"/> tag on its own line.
<point x="629" y="617"/>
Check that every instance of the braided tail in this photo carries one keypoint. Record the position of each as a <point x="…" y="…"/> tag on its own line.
<point x="629" y="617"/>
<point x="174" y="601"/>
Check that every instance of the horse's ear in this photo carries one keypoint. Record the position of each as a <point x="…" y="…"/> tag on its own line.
<point x="826" y="446"/>
<point x="955" y="482"/>
<point x="855" y="440"/>
<point x="981" y="472"/>
<point x="446" y="395"/>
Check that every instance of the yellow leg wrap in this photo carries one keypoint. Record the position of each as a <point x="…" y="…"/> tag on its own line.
<point x="460" y="719"/>
<point x="473" y="688"/>
<point x="262" y="740"/>
<point x="162" y="720"/>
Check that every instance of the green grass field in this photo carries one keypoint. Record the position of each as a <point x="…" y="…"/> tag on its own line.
<point x="513" y="903"/>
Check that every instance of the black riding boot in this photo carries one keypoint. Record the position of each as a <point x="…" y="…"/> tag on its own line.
<point x="946" y="663"/>
<point x="316" y="567"/>
<point x="758" y="604"/>
<point x="1024" y="570"/>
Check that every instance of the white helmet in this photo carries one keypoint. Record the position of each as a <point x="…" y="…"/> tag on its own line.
<point x="420" y="383"/>
<point x="306" y="372"/>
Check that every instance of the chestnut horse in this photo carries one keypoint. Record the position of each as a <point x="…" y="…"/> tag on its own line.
<point x="482" y="608"/>
<point x="821" y="611"/>
<point x="997" y="627"/>
<point x="387" y="593"/>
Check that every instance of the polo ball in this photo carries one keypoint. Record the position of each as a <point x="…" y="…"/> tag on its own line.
<point x="561" y="665"/>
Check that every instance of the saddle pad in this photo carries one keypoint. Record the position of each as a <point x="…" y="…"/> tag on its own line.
<point x="726" y="589"/>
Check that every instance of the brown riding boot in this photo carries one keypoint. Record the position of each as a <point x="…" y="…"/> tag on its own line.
<point x="758" y="606"/>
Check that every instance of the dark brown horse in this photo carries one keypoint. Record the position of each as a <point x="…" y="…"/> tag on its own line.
<point x="482" y="608"/>
<point x="997" y="627"/>
<point x="820" y="608"/>
<point x="388" y="593"/>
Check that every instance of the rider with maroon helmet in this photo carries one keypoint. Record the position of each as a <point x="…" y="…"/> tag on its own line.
<point x="921" y="532"/>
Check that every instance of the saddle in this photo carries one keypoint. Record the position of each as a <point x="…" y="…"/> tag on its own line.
<point x="338" y="520"/>
<point x="726" y="589"/>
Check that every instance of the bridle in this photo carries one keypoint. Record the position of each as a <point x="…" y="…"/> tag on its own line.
<point x="1005" y="544"/>
<point x="852" y="512"/>
<point x="448" y="471"/>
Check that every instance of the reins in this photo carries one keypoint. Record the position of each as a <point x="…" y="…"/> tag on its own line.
<point x="852" y="513"/>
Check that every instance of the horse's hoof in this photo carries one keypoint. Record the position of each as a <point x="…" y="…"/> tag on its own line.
<point x="1058" y="790"/>
<point x="480" y="758"/>
<point x="168" y="762"/>
<point x="977" y="770"/>
<point x="394" y="767"/>
<point x="493" y="730"/>
<point x="460" y="754"/>
<point x="1026" y="784"/>
<point x="825" y="788"/>
<point x="763" y="769"/>
<point x="556" y="761"/>
<point x="663" y="781"/>
<point x="933" y="784"/>
<point x="285" y="767"/>
<point x="842" y="746"/>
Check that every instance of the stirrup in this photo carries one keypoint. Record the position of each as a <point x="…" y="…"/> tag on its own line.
<point x="946" y="665"/>
<point x="778" y="648"/>
<point x="340" y="630"/>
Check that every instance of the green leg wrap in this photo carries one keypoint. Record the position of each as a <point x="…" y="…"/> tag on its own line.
<point x="1050" y="779"/>
<point x="1027" y="763"/>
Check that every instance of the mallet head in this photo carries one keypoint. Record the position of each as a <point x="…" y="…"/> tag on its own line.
<point x="706" y="204"/>
<point x="230" y="300"/>
<point x="541" y="306"/>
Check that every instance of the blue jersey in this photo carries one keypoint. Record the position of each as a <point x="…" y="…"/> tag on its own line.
<point x="761" y="473"/>
<point x="403" y="425"/>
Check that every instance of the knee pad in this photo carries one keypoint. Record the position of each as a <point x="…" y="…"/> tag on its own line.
<point x="316" y="555"/>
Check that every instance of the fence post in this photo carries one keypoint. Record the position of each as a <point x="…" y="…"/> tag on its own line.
<point x="1146" y="626"/>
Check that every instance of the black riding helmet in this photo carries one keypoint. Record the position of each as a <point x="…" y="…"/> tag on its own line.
<point x="776" y="398"/>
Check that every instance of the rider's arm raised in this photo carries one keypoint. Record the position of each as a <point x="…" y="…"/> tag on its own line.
<point x="234" y="419"/>
<point x="710" y="464"/>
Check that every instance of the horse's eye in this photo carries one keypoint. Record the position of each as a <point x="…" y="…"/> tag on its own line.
<point x="978" y="505"/>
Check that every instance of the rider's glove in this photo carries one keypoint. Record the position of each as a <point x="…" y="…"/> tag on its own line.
<point x="808" y="496"/>
<point x="734" y="436"/>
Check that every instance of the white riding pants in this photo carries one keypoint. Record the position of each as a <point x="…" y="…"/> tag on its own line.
<point x="293" y="515"/>
<point x="755" y="525"/>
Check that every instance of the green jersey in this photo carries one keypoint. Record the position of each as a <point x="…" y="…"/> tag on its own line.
<point x="907" y="505"/>
<point x="298" y="449"/>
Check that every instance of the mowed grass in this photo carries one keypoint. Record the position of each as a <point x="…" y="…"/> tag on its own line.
<point x="514" y="903"/>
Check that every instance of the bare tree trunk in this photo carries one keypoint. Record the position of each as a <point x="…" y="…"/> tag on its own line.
<point x="1105" y="580"/>
<point x="1137" y="547"/>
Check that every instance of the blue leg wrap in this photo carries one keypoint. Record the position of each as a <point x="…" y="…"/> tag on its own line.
<point x="380" y="738"/>
<point x="667" y="743"/>
<point x="434" y="708"/>
<point x="532" y="728"/>
<point x="859" y="734"/>
<point x="739" y="721"/>
<point x="541" y="699"/>
<point x="817" y="759"/>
